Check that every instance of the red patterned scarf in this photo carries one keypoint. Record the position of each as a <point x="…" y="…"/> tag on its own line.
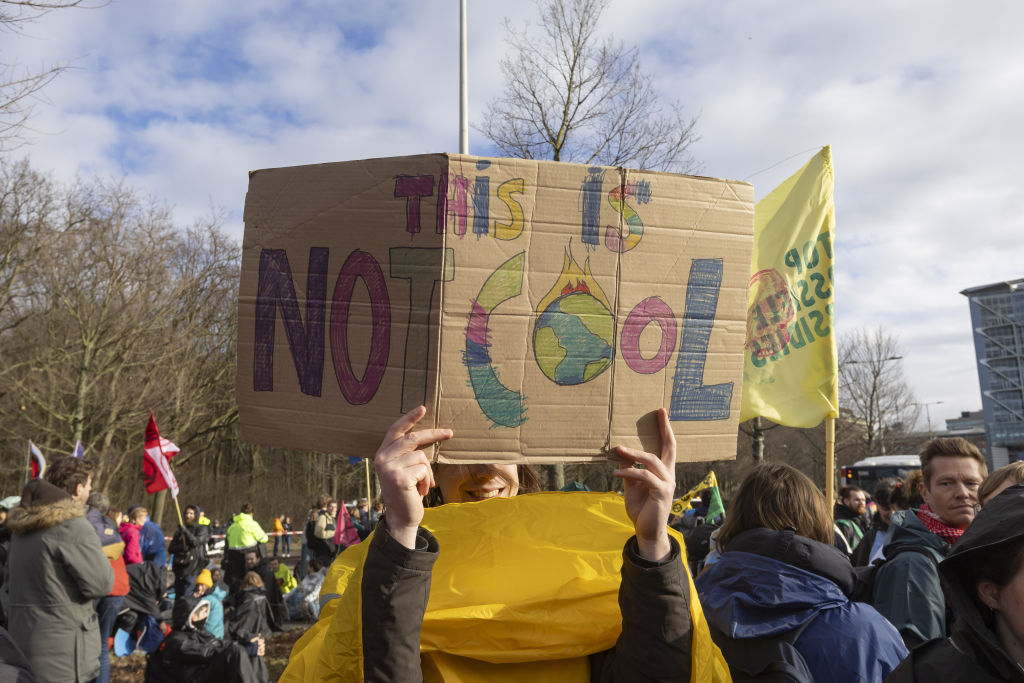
<point x="950" y="534"/>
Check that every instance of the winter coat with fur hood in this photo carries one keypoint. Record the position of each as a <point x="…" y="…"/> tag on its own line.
<point x="56" y="569"/>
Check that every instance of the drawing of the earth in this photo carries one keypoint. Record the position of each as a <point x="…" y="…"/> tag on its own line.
<point x="573" y="339"/>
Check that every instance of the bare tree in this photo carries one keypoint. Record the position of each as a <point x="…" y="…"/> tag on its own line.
<point x="875" y="398"/>
<point x="572" y="95"/>
<point x="20" y="87"/>
<point x="121" y="313"/>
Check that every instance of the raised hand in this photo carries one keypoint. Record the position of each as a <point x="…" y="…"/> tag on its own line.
<point x="648" y="491"/>
<point x="404" y="474"/>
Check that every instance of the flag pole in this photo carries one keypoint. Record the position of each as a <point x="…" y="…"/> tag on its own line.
<point x="28" y="465"/>
<point x="463" y="86"/>
<point x="369" y="498"/>
<point x="181" y="521"/>
<point x="830" y="459"/>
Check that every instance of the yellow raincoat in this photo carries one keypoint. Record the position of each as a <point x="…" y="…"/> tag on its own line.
<point x="524" y="589"/>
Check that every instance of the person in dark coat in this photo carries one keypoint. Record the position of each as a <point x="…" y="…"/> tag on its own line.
<point x="108" y="607"/>
<point x="14" y="666"/>
<point x="851" y="518"/>
<point x="779" y="576"/>
<point x="189" y="548"/>
<point x="983" y="579"/>
<point x="249" y="612"/>
<point x="189" y="654"/>
<point x="261" y="566"/>
<point x="907" y="590"/>
<point x="890" y="497"/>
<point x="56" y="569"/>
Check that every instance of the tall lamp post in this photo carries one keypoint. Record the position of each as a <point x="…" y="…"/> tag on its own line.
<point x="877" y="408"/>
<point x="928" y="413"/>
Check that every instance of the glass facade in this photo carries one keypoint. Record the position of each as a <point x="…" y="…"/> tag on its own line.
<point x="997" y="316"/>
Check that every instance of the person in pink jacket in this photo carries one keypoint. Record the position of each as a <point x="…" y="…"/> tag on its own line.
<point x="130" y="535"/>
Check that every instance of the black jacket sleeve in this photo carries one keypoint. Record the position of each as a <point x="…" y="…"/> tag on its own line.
<point x="395" y="588"/>
<point x="655" y="644"/>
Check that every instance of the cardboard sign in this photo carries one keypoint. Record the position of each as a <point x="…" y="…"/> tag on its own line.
<point x="541" y="310"/>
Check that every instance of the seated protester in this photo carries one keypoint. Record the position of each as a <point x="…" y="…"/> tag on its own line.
<point x="1000" y="480"/>
<point x="213" y="594"/>
<point x="304" y="602"/>
<point x="140" y="614"/>
<point x="484" y="542"/>
<point x="778" y="599"/>
<point x="983" y="579"/>
<point x="889" y="497"/>
<point x="190" y="654"/>
<point x="249" y="613"/>
<point x="254" y="563"/>
<point x="14" y="666"/>
<point x="286" y="583"/>
<point x="189" y="548"/>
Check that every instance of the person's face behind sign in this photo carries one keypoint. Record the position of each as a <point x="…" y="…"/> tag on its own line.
<point x="952" y="493"/>
<point x="467" y="483"/>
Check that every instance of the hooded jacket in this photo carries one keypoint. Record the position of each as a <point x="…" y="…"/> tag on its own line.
<point x="769" y="583"/>
<point x="972" y="652"/>
<point x="907" y="590"/>
<point x="191" y="655"/>
<point x="57" y="568"/>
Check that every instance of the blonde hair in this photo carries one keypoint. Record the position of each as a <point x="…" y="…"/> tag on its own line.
<point x="1013" y="472"/>
<point x="252" y="579"/>
<point x="777" y="496"/>
<point x="949" y="447"/>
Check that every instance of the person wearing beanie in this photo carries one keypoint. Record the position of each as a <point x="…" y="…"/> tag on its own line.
<point x="214" y="595"/>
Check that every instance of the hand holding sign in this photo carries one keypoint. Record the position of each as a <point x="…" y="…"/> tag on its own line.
<point x="648" y="492"/>
<point x="403" y="470"/>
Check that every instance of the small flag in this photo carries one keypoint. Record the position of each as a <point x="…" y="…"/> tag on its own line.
<point x="353" y="460"/>
<point x="36" y="461"/>
<point x="680" y="504"/>
<point x="79" y="451"/>
<point x="156" y="466"/>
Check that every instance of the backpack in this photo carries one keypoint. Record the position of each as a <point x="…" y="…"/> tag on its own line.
<point x="765" y="659"/>
<point x="864" y="587"/>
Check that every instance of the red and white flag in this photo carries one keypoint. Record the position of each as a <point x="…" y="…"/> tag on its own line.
<point x="36" y="461"/>
<point x="156" y="467"/>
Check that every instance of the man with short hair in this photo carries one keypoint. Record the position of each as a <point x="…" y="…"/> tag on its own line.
<point x="850" y="517"/>
<point x="57" y="568"/>
<point x="244" y="535"/>
<point x="907" y="590"/>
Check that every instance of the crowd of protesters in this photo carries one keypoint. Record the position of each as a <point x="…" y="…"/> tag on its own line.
<point x="918" y="579"/>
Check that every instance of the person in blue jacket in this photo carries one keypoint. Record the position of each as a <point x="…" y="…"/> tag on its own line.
<point x="778" y="598"/>
<point x="151" y="540"/>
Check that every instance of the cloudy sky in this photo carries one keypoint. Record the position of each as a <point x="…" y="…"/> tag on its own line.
<point x="922" y="107"/>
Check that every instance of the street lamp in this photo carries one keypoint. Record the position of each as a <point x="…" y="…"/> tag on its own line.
<point x="878" y="408"/>
<point x="928" y="412"/>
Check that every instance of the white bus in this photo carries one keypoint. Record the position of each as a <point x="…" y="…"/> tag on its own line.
<point x="866" y="473"/>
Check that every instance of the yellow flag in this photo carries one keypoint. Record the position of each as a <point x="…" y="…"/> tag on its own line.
<point x="790" y="371"/>
<point x="680" y="504"/>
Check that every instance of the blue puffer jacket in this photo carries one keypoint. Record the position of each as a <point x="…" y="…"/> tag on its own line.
<point x="768" y="583"/>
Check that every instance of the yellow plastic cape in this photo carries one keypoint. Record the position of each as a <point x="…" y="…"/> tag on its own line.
<point x="523" y="590"/>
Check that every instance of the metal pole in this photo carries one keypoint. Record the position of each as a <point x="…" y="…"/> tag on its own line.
<point x="463" y="86"/>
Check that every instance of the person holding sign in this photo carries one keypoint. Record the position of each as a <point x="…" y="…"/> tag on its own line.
<point x="656" y="637"/>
